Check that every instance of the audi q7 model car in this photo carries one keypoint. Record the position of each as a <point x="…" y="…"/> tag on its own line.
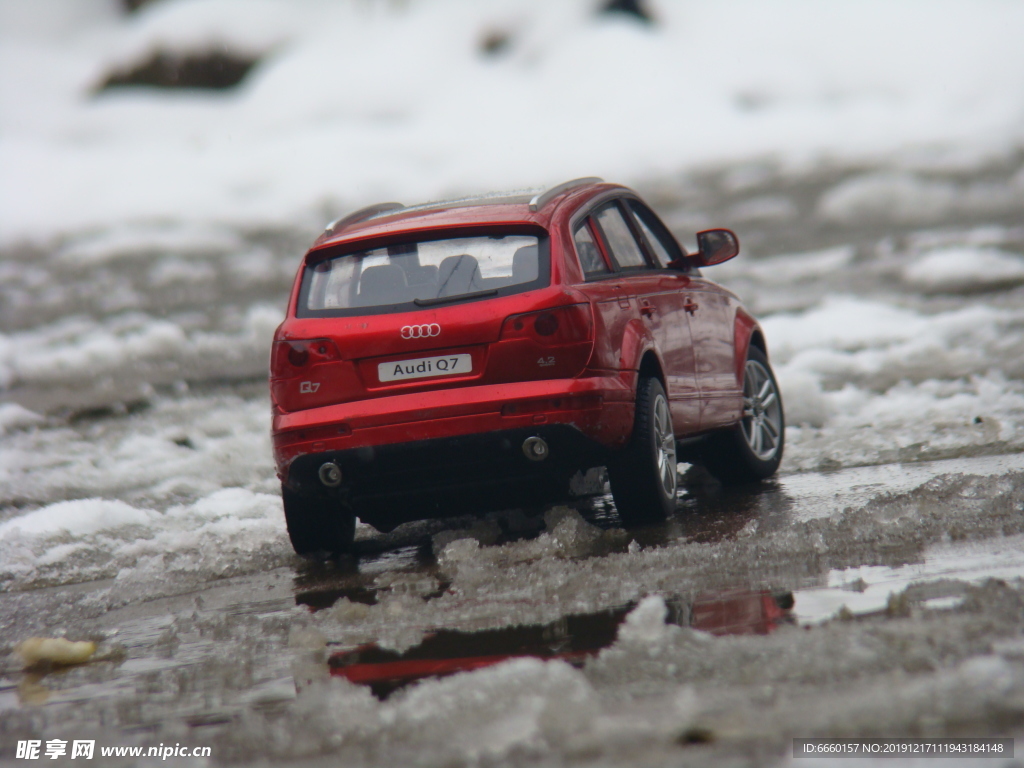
<point x="477" y="354"/>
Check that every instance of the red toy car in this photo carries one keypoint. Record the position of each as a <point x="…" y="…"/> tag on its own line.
<point x="476" y="354"/>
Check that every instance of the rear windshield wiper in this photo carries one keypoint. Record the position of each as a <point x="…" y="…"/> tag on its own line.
<point x="459" y="297"/>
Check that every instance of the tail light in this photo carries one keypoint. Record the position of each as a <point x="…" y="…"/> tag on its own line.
<point x="291" y="358"/>
<point x="551" y="327"/>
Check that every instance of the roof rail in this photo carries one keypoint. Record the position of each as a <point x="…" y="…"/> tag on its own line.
<point x="361" y="215"/>
<point x="542" y="199"/>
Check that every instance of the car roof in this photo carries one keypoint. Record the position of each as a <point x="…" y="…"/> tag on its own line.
<point x="532" y="206"/>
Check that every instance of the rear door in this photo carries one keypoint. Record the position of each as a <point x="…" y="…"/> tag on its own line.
<point x="604" y="288"/>
<point x="654" y="293"/>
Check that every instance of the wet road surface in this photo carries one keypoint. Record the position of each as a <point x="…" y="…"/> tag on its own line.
<point x="204" y="666"/>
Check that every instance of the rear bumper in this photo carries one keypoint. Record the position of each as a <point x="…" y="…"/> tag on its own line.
<point x="599" y="407"/>
<point x="392" y="484"/>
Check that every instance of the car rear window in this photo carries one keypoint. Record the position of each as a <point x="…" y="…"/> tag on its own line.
<point x="404" y="276"/>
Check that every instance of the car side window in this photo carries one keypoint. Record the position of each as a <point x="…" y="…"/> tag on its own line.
<point x="620" y="239"/>
<point x="590" y="255"/>
<point x="663" y="246"/>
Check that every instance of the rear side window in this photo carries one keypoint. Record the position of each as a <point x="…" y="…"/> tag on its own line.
<point x="620" y="239"/>
<point x="590" y="256"/>
<point x="406" y="276"/>
<point x="662" y="244"/>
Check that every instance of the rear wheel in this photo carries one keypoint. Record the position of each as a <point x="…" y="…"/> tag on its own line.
<point x="752" y="449"/>
<point x="316" y="525"/>
<point x="643" y="476"/>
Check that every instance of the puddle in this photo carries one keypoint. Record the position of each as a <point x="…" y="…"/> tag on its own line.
<point x="322" y="587"/>
<point x="571" y="638"/>
<point x="938" y="581"/>
<point x="706" y="511"/>
<point x="318" y="599"/>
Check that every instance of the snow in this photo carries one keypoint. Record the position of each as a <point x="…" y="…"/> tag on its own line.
<point x="144" y="241"/>
<point x="14" y="416"/>
<point x="862" y="371"/>
<point x="353" y="103"/>
<point x="790" y="268"/>
<point x="88" y="539"/>
<point x="78" y="518"/>
<point x="902" y="196"/>
<point x="245" y="26"/>
<point x="76" y="347"/>
<point x="958" y="269"/>
<point x="645" y="625"/>
<point x="868" y="589"/>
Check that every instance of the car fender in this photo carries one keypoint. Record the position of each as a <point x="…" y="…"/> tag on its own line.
<point x="744" y="328"/>
<point x="637" y="340"/>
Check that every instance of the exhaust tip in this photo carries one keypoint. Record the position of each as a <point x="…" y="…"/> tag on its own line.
<point x="535" y="448"/>
<point x="330" y="474"/>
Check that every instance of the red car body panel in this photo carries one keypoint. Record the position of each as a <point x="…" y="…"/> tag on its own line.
<point x="327" y="390"/>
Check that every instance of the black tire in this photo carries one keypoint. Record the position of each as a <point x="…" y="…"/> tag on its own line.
<point x="318" y="526"/>
<point x="751" y="450"/>
<point x="643" y="474"/>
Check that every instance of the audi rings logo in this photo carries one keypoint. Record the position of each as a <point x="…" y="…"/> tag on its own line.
<point x="421" y="331"/>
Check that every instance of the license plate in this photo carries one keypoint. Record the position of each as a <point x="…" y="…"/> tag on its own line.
<point x="421" y="367"/>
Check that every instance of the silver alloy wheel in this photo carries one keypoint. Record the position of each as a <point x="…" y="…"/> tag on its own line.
<point x="665" y="445"/>
<point x="762" y="411"/>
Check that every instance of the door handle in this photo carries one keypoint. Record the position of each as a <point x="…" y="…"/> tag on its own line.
<point x="690" y="305"/>
<point x="646" y="308"/>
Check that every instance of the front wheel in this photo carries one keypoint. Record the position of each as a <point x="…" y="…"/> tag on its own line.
<point x="317" y="525"/>
<point x="643" y="476"/>
<point x="752" y="449"/>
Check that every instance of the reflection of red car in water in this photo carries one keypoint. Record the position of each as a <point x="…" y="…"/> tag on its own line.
<point x="572" y="639"/>
<point x="740" y="613"/>
<point x="477" y="354"/>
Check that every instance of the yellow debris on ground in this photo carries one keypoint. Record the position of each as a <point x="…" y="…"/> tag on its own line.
<point x="56" y="650"/>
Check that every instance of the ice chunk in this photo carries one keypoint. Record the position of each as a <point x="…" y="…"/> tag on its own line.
<point x="574" y="536"/>
<point x="347" y="611"/>
<point x="645" y="624"/>
<point x="485" y="715"/>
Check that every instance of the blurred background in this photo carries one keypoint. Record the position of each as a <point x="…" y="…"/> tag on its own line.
<point x="260" y="114"/>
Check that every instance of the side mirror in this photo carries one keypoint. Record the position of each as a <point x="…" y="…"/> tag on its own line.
<point x="716" y="246"/>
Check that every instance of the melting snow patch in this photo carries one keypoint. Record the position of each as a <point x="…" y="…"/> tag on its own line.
<point x="869" y="589"/>
<point x="961" y="269"/>
<point x="78" y="348"/>
<point x="139" y="240"/>
<point x="98" y="538"/>
<point x="859" y="372"/>
<point x="888" y="195"/>
<point x="790" y="268"/>
<point x="525" y="704"/>
<point x="13" y="417"/>
<point x="83" y="517"/>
